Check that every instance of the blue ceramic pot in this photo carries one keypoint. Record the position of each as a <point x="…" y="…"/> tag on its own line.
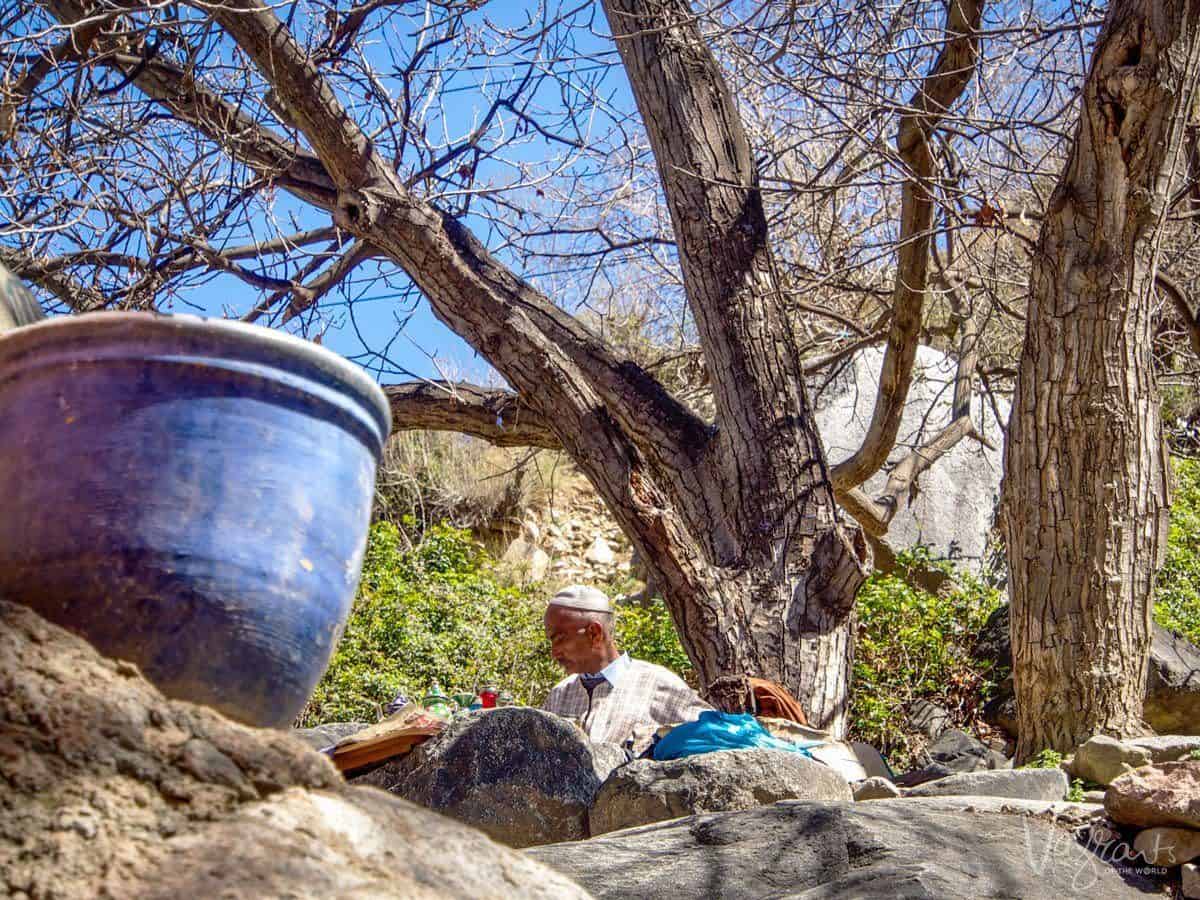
<point x="192" y="495"/>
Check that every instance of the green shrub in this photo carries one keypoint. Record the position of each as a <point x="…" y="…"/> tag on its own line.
<point x="913" y="644"/>
<point x="439" y="612"/>
<point x="1177" y="599"/>
<point x="1044" y="759"/>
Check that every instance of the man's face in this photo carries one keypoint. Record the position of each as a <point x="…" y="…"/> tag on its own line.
<point x="575" y="643"/>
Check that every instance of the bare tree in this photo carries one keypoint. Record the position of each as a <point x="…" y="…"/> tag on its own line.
<point x="1086" y="483"/>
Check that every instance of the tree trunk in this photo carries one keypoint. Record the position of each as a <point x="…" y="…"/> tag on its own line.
<point x="1085" y="494"/>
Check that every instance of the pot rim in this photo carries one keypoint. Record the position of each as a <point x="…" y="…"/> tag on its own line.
<point x="231" y="334"/>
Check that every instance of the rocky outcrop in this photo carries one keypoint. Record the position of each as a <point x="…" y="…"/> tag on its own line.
<point x="943" y="848"/>
<point x="1172" y="683"/>
<point x="647" y="790"/>
<point x="1162" y="794"/>
<point x="953" y="753"/>
<point x="1017" y="784"/>
<point x="521" y="775"/>
<point x="113" y="791"/>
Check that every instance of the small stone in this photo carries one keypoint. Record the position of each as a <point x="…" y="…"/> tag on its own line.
<point x="599" y="553"/>
<point x="1190" y="875"/>
<point x="1102" y="759"/>
<point x="875" y="788"/>
<point x="1168" y="846"/>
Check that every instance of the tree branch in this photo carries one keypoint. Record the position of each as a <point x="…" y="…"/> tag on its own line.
<point x="496" y="416"/>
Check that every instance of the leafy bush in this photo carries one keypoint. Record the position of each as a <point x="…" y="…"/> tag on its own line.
<point x="439" y="612"/>
<point x="1177" y="599"/>
<point x="1044" y="759"/>
<point x="913" y="644"/>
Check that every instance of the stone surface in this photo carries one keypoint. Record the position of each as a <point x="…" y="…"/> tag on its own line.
<point x="1019" y="784"/>
<point x="928" y="718"/>
<point x="875" y="788"/>
<point x="1172" y="683"/>
<point x="1167" y="747"/>
<point x="954" y="509"/>
<point x="955" y="751"/>
<point x="321" y="736"/>
<point x="647" y="790"/>
<point x="1102" y="759"/>
<point x="1189" y="877"/>
<point x="1159" y="794"/>
<point x="113" y="791"/>
<point x="599" y="553"/>
<point x="1168" y="846"/>
<point x="521" y="775"/>
<point x="907" y="848"/>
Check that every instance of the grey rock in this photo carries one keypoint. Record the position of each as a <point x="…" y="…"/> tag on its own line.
<point x="955" y="751"/>
<point x="954" y="511"/>
<point x="906" y="848"/>
<point x="1019" y="784"/>
<point x="1093" y="797"/>
<point x="321" y="736"/>
<point x="521" y="775"/>
<point x="875" y="788"/>
<point x="1102" y="759"/>
<point x="647" y="790"/>
<point x="113" y="790"/>
<point x="928" y="718"/>
<point x="1167" y="747"/>
<point x="1173" y="685"/>
<point x="994" y="643"/>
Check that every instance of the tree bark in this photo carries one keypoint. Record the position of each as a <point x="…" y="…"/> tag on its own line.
<point x="1085" y="496"/>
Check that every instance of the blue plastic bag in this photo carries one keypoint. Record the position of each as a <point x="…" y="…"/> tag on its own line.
<point x="722" y="731"/>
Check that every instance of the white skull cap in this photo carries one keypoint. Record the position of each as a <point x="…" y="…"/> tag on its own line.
<point x="581" y="597"/>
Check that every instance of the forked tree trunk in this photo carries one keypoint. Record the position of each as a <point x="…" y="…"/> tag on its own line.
<point x="1085" y="494"/>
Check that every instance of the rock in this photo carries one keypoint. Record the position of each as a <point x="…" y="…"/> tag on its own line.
<point x="1160" y="794"/>
<point x="521" y="775"/>
<point x="322" y="736"/>
<point x="908" y="848"/>
<point x="1102" y="759"/>
<point x="647" y="790"/>
<point x="1173" y="685"/>
<point x="1019" y="784"/>
<point x="953" y="512"/>
<point x="1093" y="797"/>
<point x="1167" y="747"/>
<point x="539" y="564"/>
<point x="111" y="790"/>
<point x="955" y="751"/>
<point x="599" y="553"/>
<point x="928" y="718"/>
<point x="529" y="557"/>
<point x="1168" y="846"/>
<point x="1189" y="877"/>
<point x="875" y="788"/>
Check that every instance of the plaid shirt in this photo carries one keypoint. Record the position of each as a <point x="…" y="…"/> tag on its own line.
<point x="644" y="698"/>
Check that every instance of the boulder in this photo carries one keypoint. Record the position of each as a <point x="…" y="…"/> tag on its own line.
<point x="1167" y="747"/>
<point x="955" y="751"/>
<point x="111" y="790"/>
<point x="1160" y="794"/>
<point x="521" y="775"/>
<point x="1019" y="784"/>
<point x="321" y="736"/>
<point x="1189" y="877"/>
<point x="647" y="790"/>
<point x="912" y="848"/>
<point x="599" y="553"/>
<point x="954" y="510"/>
<point x="875" y="788"/>
<point x="1168" y="846"/>
<point x="1172" y="683"/>
<point x="928" y="718"/>
<point x="1102" y="759"/>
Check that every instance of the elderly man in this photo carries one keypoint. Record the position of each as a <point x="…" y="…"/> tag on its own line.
<point x="616" y="699"/>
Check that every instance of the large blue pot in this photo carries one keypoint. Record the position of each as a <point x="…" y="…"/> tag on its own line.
<point x="192" y="495"/>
